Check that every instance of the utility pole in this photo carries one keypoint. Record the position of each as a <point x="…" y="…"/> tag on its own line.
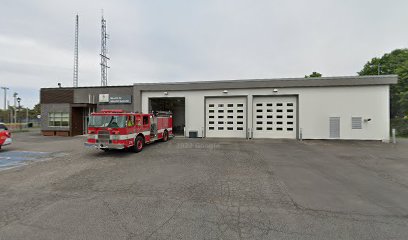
<point x="104" y="57"/>
<point x="19" y="108"/>
<point x="5" y="97"/>
<point x="76" y="56"/>
<point x="27" y="117"/>
<point x="15" y="106"/>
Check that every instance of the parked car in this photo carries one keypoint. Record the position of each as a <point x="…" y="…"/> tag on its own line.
<point x="5" y="135"/>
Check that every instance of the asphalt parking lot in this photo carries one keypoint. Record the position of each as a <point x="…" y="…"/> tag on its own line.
<point x="206" y="189"/>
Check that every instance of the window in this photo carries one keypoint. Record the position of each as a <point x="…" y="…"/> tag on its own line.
<point x="259" y="104"/>
<point x="145" y="120"/>
<point x="269" y="116"/>
<point x="211" y="105"/>
<point x="240" y="105"/>
<point x="240" y="128"/>
<point x="220" y="122"/>
<point x="220" y="111"/>
<point x="269" y="128"/>
<point x="289" y="129"/>
<point x="230" y="122"/>
<point x="290" y="116"/>
<point x="220" y="116"/>
<point x="211" y="116"/>
<point x="230" y="117"/>
<point x="58" y="119"/>
<point x="230" y="128"/>
<point x="279" y="104"/>
<point x="230" y="111"/>
<point x="269" y="110"/>
<point x="220" y="105"/>
<point x="211" y="122"/>
<point x="289" y="104"/>
<point x="269" y="123"/>
<point x="220" y="128"/>
<point x="259" y="122"/>
<point x="240" y="122"/>
<point x="289" y="110"/>
<point x="259" y="110"/>
<point x="279" y="129"/>
<point x="240" y="110"/>
<point x="259" y="128"/>
<point x="230" y="105"/>
<point x="269" y="104"/>
<point x="211" y="111"/>
<point x="131" y="121"/>
<point x="279" y="123"/>
<point x="211" y="128"/>
<point x="259" y="116"/>
<point x="279" y="116"/>
<point x="279" y="110"/>
<point x="356" y="123"/>
<point x="240" y="116"/>
<point x="289" y="123"/>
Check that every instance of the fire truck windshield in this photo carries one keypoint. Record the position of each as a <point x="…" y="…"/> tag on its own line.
<point x="107" y="121"/>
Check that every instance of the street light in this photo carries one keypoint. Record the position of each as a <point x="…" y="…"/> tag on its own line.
<point x="15" y="107"/>
<point x="19" y="107"/>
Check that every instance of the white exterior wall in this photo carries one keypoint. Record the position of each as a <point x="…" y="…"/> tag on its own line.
<point x="315" y="106"/>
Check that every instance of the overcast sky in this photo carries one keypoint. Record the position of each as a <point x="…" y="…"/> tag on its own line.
<point x="163" y="40"/>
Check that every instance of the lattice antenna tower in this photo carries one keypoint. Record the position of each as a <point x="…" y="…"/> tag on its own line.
<point x="104" y="57"/>
<point x="76" y="56"/>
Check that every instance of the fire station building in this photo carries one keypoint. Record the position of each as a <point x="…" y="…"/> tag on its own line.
<point x="308" y="108"/>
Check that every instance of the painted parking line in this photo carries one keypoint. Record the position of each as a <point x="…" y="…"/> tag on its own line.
<point x="11" y="159"/>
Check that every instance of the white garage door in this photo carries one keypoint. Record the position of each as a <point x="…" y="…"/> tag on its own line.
<point x="274" y="117"/>
<point x="226" y="117"/>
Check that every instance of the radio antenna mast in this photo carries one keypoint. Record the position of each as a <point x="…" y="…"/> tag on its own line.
<point x="104" y="57"/>
<point x="75" y="78"/>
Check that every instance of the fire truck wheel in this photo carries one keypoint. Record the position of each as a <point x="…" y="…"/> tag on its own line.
<point x="139" y="143"/>
<point x="165" y="136"/>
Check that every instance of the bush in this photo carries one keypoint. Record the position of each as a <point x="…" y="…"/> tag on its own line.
<point x="401" y="126"/>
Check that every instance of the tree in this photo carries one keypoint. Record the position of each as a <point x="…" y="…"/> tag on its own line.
<point x="314" y="74"/>
<point x="395" y="62"/>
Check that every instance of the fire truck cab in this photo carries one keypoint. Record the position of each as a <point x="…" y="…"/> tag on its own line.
<point x="117" y="129"/>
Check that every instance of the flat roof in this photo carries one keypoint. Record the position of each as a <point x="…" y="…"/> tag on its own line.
<point x="257" y="83"/>
<point x="72" y="88"/>
<point x="273" y="82"/>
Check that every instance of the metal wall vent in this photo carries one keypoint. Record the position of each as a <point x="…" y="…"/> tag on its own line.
<point x="334" y="127"/>
<point x="356" y="123"/>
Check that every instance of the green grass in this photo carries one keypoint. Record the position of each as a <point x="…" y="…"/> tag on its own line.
<point x="401" y="126"/>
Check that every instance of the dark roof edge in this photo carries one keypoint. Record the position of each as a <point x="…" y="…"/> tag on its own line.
<point x="272" y="83"/>
<point x="73" y="88"/>
<point x="258" y="83"/>
<point x="394" y="77"/>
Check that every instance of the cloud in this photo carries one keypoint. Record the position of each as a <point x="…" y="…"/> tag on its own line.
<point x="159" y="41"/>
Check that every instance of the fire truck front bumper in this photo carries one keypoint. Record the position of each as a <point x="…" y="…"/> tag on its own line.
<point x="104" y="146"/>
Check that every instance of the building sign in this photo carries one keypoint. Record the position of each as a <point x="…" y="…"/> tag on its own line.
<point x="107" y="99"/>
<point x="120" y="99"/>
<point x="104" y="98"/>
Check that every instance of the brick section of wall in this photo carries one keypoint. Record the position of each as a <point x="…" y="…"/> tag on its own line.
<point x="56" y="96"/>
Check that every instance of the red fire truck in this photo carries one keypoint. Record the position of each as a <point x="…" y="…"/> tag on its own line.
<point x="117" y="129"/>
